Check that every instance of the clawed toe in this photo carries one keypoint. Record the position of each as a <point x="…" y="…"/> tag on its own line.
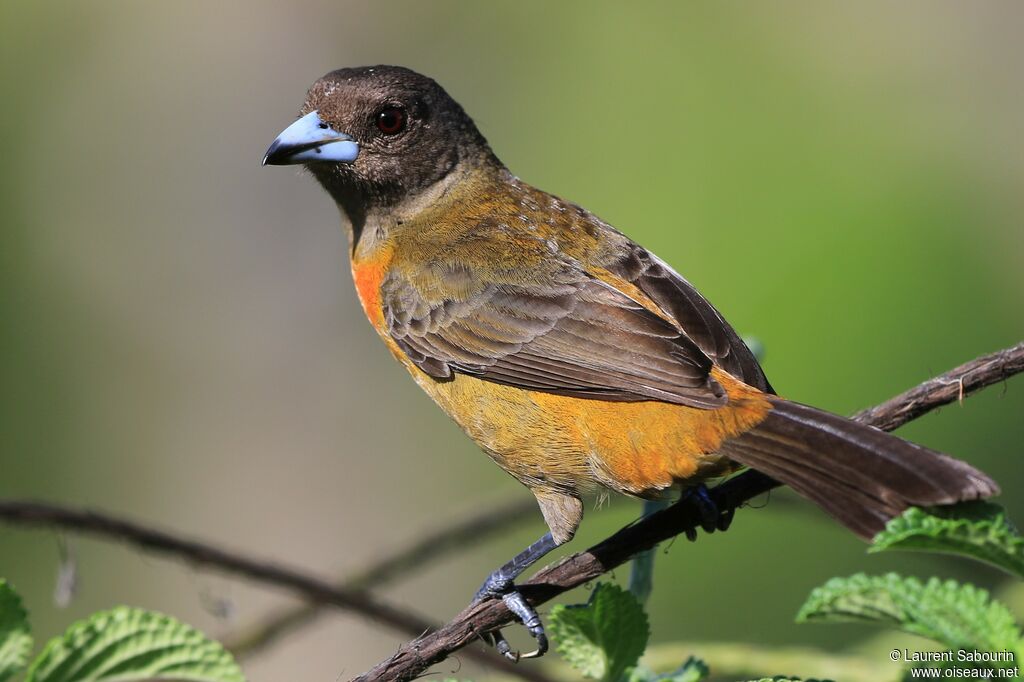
<point x="500" y="585"/>
<point x="526" y="614"/>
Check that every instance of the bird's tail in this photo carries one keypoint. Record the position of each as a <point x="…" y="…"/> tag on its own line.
<point x="860" y="475"/>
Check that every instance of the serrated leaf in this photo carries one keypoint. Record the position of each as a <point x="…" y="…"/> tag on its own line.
<point x="979" y="530"/>
<point x="603" y="638"/>
<point x="127" y="644"/>
<point x="15" y="639"/>
<point x="955" y="615"/>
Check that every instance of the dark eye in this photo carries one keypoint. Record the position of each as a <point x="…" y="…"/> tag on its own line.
<point x="391" y="120"/>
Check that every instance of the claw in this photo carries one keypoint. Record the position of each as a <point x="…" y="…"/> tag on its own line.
<point x="518" y="605"/>
<point x="502" y="646"/>
<point x="505" y="649"/>
<point x="536" y="628"/>
<point x="542" y="647"/>
<point x="500" y="585"/>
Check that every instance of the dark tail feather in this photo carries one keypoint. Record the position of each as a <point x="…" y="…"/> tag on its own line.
<point x="860" y="475"/>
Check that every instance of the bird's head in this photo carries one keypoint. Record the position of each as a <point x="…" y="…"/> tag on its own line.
<point x="380" y="135"/>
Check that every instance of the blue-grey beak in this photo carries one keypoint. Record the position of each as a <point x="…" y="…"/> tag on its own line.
<point x="309" y="140"/>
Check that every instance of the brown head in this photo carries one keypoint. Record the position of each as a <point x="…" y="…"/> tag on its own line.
<point x="379" y="135"/>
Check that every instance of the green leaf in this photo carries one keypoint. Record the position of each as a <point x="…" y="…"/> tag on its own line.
<point x="15" y="640"/>
<point x="131" y="644"/>
<point x="979" y="530"/>
<point x="957" y="616"/>
<point x="603" y="638"/>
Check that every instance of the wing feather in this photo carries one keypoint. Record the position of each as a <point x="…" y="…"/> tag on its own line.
<point x="568" y="334"/>
<point x="698" y="319"/>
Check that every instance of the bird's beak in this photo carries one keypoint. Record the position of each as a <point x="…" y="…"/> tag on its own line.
<point x="310" y="140"/>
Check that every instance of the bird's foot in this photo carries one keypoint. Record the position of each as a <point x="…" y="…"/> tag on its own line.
<point x="711" y="517"/>
<point x="498" y="586"/>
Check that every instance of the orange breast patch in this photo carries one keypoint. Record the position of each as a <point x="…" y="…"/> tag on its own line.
<point x="368" y="273"/>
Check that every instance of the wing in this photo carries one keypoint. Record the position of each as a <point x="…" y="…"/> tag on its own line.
<point x="560" y="331"/>
<point x="698" y="319"/>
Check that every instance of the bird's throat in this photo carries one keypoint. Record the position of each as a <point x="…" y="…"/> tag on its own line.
<point x="372" y="224"/>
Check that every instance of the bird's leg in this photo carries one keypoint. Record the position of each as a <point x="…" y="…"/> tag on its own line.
<point x="711" y="517"/>
<point x="500" y="584"/>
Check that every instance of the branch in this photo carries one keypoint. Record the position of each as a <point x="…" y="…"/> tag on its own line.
<point x="954" y="385"/>
<point x="426" y="549"/>
<point x="414" y="657"/>
<point x="312" y="588"/>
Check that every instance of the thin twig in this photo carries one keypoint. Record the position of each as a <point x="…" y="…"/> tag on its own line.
<point x="415" y="656"/>
<point x="424" y="550"/>
<point x="953" y="386"/>
<point x="312" y="588"/>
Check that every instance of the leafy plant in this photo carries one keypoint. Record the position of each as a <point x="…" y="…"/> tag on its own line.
<point x="15" y="640"/>
<point x="979" y="530"/>
<point x="122" y="644"/>
<point x="605" y="638"/>
<point x="960" y="617"/>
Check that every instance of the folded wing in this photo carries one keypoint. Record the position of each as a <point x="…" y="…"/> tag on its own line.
<point x="567" y="333"/>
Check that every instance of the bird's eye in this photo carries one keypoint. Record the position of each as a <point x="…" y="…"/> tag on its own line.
<point x="391" y="120"/>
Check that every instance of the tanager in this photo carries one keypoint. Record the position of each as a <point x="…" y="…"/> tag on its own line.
<point x="574" y="357"/>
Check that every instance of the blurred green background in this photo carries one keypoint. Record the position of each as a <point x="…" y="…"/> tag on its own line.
<point x="181" y="343"/>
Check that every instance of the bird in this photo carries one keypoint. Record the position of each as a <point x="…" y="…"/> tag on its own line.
<point x="575" y="358"/>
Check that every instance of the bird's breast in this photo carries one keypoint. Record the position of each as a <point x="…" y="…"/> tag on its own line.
<point x="368" y="273"/>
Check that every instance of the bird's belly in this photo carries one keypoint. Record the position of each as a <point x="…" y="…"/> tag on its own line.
<point x="576" y="444"/>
